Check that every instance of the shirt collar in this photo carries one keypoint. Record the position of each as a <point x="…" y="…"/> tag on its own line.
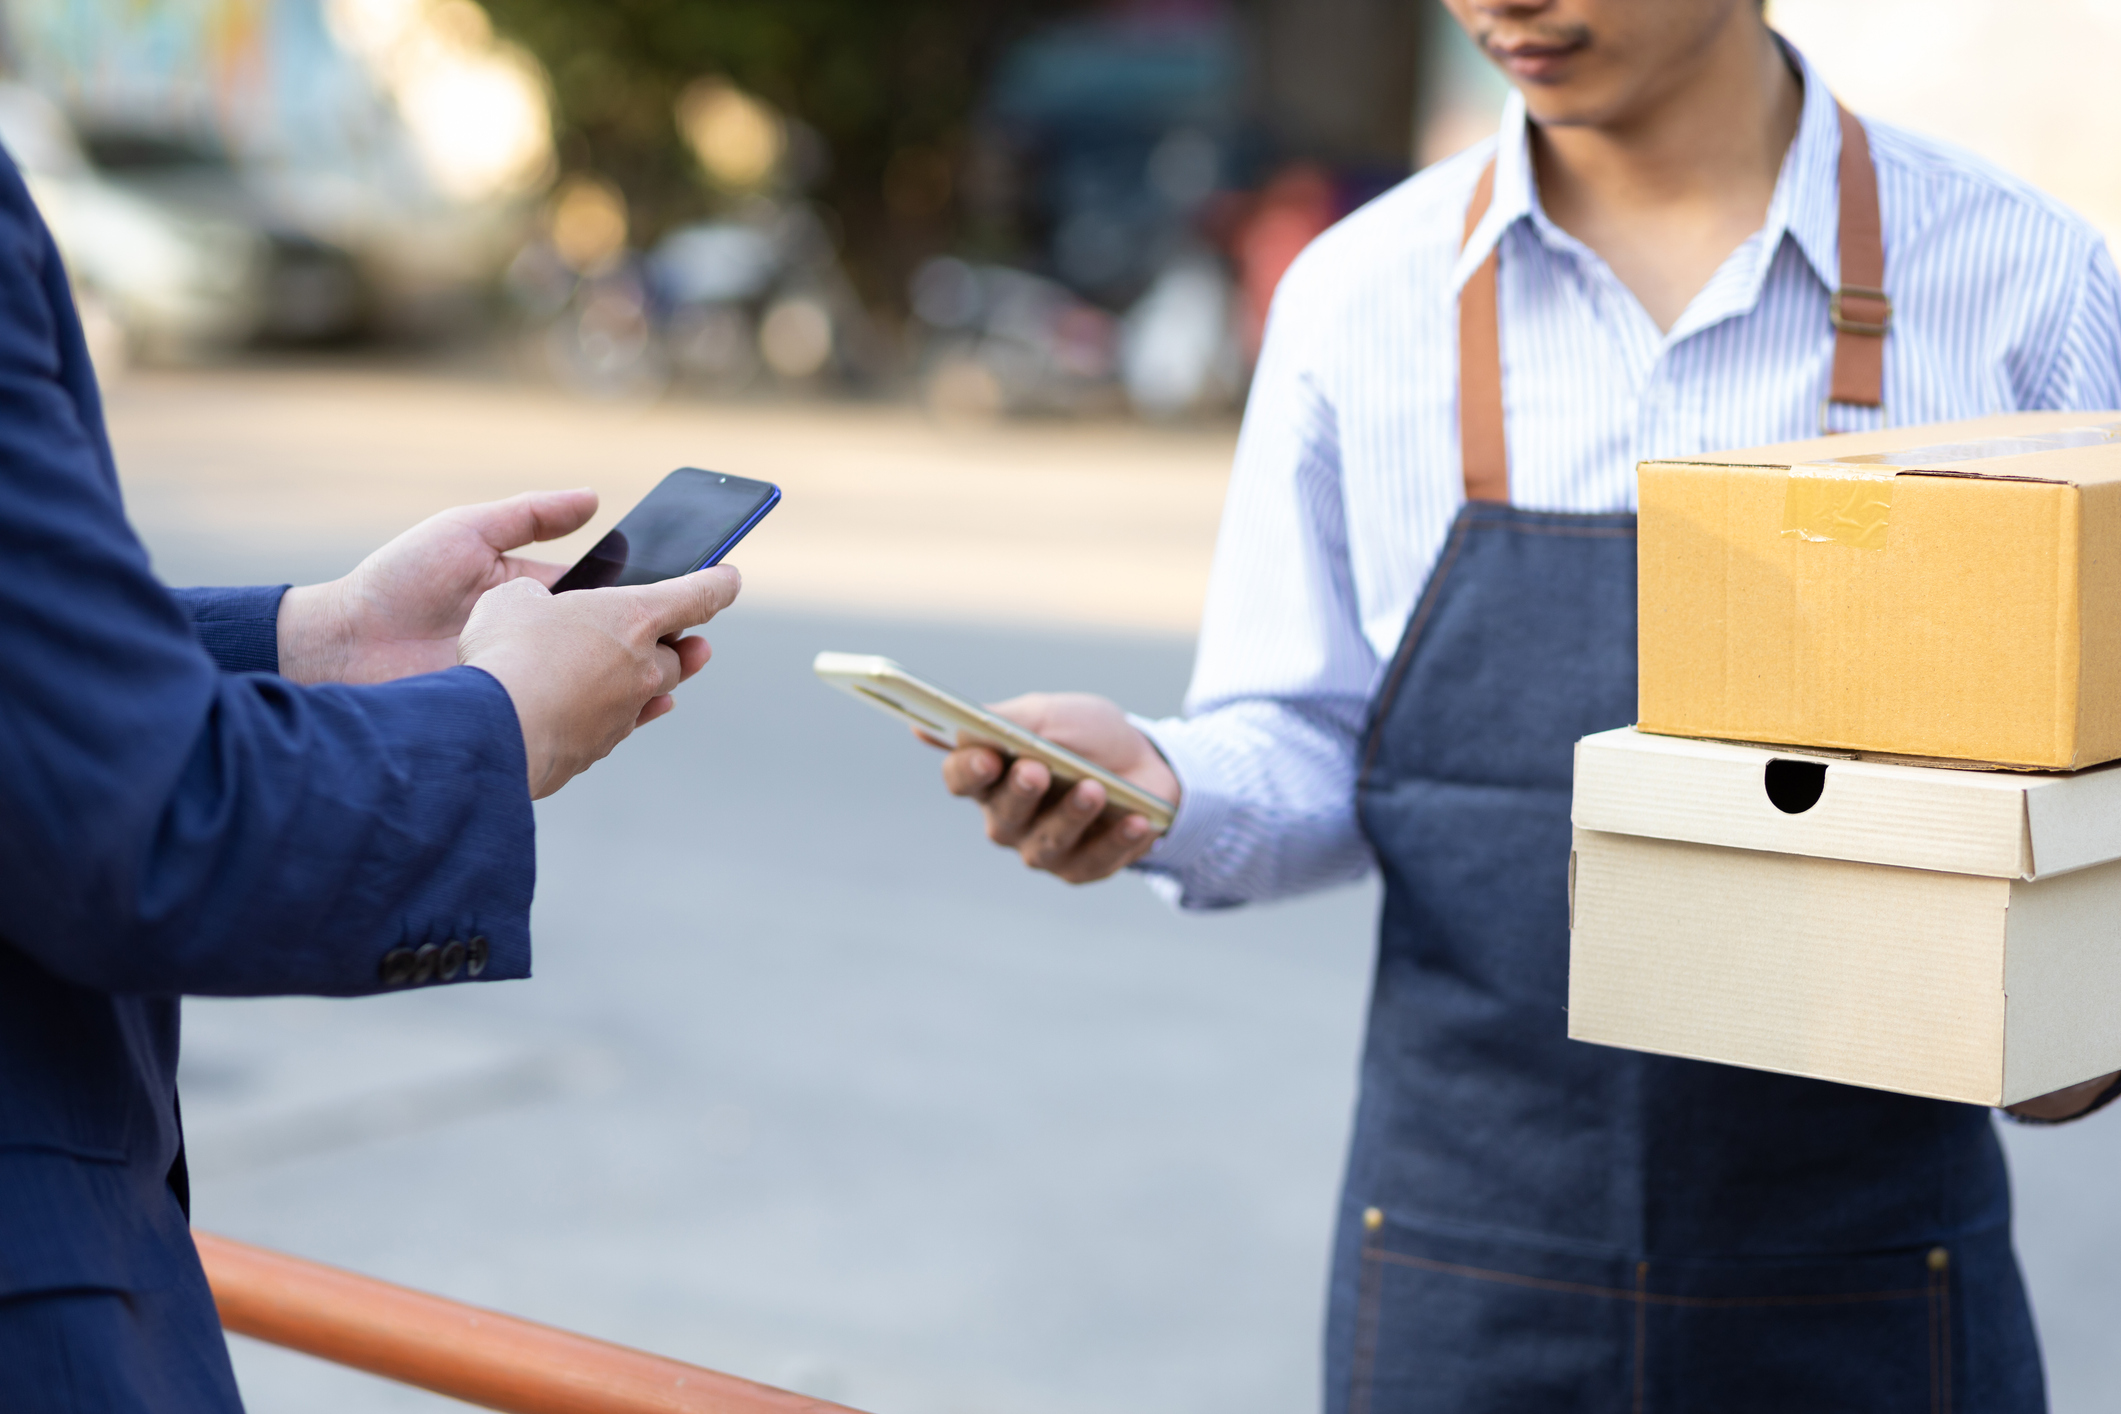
<point x="1806" y="205"/>
<point x="1516" y="195"/>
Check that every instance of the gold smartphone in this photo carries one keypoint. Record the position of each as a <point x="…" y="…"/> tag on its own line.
<point x="945" y="716"/>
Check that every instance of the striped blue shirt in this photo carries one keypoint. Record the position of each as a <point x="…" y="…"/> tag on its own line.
<point x="1347" y="472"/>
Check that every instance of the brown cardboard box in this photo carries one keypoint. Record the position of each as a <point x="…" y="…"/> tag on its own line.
<point x="1951" y="591"/>
<point x="1948" y="933"/>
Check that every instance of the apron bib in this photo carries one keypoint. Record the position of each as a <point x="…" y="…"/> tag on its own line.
<point x="1534" y="1224"/>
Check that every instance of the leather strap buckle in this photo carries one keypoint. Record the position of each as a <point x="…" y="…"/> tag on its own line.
<point x="1837" y="304"/>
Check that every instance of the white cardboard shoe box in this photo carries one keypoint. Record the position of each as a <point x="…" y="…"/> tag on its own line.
<point x="1937" y="932"/>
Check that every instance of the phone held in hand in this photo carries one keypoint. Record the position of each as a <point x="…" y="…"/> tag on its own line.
<point x="689" y="521"/>
<point x="947" y="717"/>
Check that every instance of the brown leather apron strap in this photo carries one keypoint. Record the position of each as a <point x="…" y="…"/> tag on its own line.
<point x="1860" y="309"/>
<point x="1481" y="449"/>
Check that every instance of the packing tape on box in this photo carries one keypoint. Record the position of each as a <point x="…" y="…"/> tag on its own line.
<point x="1832" y="505"/>
<point x="1849" y="500"/>
<point x="1983" y="449"/>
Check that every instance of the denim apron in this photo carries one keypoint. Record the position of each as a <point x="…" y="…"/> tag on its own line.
<point x="1534" y="1224"/>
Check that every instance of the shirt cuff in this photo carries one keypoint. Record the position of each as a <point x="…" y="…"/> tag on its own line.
<point x="1204" y="800"/>
<point x="238" y="628"/>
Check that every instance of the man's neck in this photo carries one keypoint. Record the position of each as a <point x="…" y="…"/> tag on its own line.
<point x="1666" y="190"/>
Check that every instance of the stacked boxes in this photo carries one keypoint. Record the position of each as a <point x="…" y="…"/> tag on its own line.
<point x="1862" y="831"/>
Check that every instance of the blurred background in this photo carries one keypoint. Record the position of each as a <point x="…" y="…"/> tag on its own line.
<point x="1023" y="207"/>
<point x="812" y="1085"/>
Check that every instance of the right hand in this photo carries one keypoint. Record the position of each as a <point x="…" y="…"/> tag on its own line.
<point x="1066" y="833"/>
<point x="584" y="669"/>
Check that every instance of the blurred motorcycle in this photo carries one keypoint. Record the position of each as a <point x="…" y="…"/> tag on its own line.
<point x="997" y="341"/>
<point x="714" y="306"/>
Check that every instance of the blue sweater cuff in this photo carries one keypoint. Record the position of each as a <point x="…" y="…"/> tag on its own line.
<point x="239" y="628"/>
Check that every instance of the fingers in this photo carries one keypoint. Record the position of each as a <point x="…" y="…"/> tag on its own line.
<point x="970" y="771"/>
<point x="693" y="654"/>
<point x="675" y="605"/>
<point x="1106" y="849"/>
<point x="1054" y="834"/>
<point x="1067" y="834"/>
<point x="1013" y="805"/>
<point x="666" y="662"/>
<point x="533" y="515"/>
<point x="684" y="657"/>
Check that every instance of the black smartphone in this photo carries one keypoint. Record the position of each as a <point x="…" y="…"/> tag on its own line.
<point x="689" y="521"/>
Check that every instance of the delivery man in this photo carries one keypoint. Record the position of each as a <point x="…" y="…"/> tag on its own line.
<point x="1425" y="593"/>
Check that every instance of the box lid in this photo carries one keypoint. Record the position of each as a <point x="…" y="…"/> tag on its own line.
<point x="2070" y="448"/>
<point x="1792" y="801"/>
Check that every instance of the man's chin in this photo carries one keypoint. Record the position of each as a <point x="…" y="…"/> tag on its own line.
<point x="1582" y="104"/>
<point x="1566" y="112"/>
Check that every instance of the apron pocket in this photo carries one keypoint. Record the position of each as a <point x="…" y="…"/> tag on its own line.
<point x="1479" y="1325"/>
<point x="1861" y="1334"/>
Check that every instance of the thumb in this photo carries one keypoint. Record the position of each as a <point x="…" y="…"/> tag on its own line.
<point x="533" y="515"/>
<point x="494" y="612"/>
<point x="675" y="605"/>
<point x="1032" y="711"/>
<point x="521" y="587"/>
<point x="499" y="601"/>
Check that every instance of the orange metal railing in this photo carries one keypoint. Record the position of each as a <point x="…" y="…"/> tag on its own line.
<point x="479" y="1356"/>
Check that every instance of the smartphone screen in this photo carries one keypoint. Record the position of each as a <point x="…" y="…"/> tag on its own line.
<point x="689" y="521"/>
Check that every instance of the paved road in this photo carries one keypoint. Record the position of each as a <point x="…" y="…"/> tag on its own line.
<point x="887" y="512"/>
<point x="811" y="1085"/>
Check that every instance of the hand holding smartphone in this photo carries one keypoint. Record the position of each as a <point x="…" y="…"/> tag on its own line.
<point x="946" y="719"/>
<point x="689" y="521"/>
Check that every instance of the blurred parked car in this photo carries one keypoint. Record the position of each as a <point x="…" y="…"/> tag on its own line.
<point x="151" y="277"/>
<point x="312" y="288"/>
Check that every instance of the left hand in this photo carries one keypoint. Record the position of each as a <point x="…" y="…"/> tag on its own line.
<point x="400" y="611"/>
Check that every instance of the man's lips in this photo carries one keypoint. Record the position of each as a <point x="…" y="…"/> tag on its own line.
<point x="1535" y="60"/>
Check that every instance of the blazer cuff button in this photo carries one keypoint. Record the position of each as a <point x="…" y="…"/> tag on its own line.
<point x="475" y="954"/>
<point x="452" y="960"/>
<point x="424" y="958"/>
<point x="397" y="966"/>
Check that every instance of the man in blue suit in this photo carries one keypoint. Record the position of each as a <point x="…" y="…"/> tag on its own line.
<point x="240" y="792"/>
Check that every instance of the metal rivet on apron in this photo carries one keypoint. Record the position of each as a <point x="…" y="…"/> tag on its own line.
<point x="1939" y="1259"/>
<point x="1374" y="1218"/>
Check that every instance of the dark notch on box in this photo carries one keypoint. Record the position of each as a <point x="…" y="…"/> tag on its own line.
<point x="1793" y="787"/>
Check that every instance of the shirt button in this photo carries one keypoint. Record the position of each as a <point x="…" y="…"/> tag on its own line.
<point x="423" y="963"/>
<point x="475" y="955"/>
<point x="396" y="970"/>
<point x="452" y="960"/>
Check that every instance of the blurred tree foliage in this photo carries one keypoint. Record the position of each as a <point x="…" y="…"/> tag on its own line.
<point x="888" y="86"/>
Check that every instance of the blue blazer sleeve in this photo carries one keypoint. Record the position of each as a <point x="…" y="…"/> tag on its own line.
<point x="167" y="826"/>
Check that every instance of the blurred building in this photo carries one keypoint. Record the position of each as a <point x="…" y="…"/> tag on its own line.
<point x="318" y="168"/>
<point x="2021" y="85"/>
